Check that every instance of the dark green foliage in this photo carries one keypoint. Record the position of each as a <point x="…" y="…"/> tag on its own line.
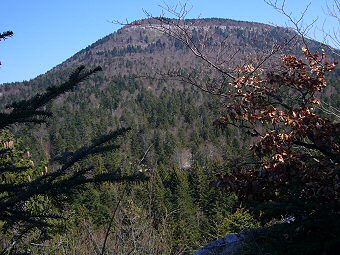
<point x="240" y="221"/>
<point x="5" y="35"/>
<point x="26" y="111"/>
<point x="30" y="201"/>
<point x="302" y="237"/>
<point x="183" y="197"/>
<point x="172" y="140"/>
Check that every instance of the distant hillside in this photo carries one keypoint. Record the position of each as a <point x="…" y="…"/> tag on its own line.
<point x="170" y="120"/>
<point x="115" y="96"/>
<point x="136" y="48"/>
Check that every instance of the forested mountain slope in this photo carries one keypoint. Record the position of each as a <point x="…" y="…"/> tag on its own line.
<point x="172" y="137"/>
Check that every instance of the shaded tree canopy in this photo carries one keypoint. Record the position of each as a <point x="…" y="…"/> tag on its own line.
<point x="31" y="193"/>
<point x="294" y="134"/>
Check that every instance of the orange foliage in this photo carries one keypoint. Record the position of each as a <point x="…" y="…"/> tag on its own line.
<point x="295" y="142"/>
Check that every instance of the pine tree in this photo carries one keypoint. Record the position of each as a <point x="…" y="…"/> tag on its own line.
<point x="31" y="193"/>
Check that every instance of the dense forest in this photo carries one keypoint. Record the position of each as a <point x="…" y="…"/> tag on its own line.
<point x="163" y="185"/>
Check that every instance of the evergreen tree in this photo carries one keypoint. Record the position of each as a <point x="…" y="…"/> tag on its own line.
<point x="31" y="193"/>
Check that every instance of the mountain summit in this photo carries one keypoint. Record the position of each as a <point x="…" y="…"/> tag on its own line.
<point x="172" y="137"/>
<point x="140" y="48"/>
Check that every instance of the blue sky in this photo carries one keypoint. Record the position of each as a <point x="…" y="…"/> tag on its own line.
<point x="49" y="32"/>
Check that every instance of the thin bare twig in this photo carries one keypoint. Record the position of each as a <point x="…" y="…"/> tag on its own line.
<point x="111" y="221"/>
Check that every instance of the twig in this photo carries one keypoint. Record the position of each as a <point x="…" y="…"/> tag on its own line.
<point x="111" y="222"/>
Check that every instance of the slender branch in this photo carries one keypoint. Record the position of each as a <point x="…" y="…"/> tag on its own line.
<point x="111" y="221"/>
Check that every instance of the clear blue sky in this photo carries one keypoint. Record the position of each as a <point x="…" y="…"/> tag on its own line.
<point x="48" y="32"/>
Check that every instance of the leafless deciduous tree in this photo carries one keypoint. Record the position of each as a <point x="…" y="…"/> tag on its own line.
<point x="334" y="35"/>
<point x="274" y="98"/>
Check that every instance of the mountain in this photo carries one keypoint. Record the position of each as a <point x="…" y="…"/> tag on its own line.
<point x="177" y="211"/>
<point x="142" y="50"/>
<point x="138" y="47"/>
